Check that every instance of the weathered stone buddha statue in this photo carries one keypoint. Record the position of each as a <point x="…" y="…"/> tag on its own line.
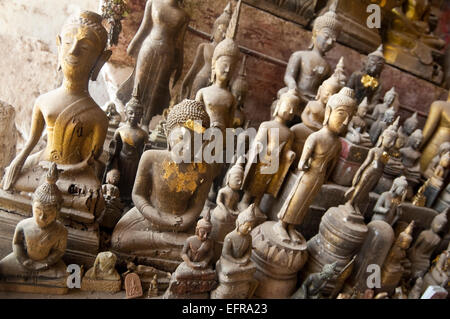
<point x="157" y="48"/>
<point x="103" y="276"/>
<point x="409" y="43"/>
<point x="443" y="148"/>
<point x="439" y="274"/>
<point x="435" y="183"/>
<point x="76" y="126"/>
<point x="314" y="283"/>
<point x="314" y="113"/>
<point x="410" y="156"/>
<point x="435" y="132"/>
<point x="194" y="277"/>
<point x="235" y="270"/>
<point x="410" y="125"/>
<point x="357" y="129"/>
<point x="381" y="124"/>
<point x="319" y="155"/>
<point x="38" y="245"/>
<point x="199" y="74"/>
<point x="422" y="249"/>
<point x="113" y="205"/>
<point x="265" y="170"/>
<point x="239" y="89"/>
<point x="366" y="82"/>
<point x="217" y="98"/>
<point x="130" y="142"/>
<point x="390" y="100"/>
<point x="392" y="270"/>
<point x="169" y="193"/>
<point x="386" y="206"/>
<point x="307" y="69"/>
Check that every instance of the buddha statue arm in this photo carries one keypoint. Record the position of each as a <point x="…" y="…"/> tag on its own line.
<point x="209" y="254"/>
<point x="367" y="162"/>
<point x="18" y="247"/>
<point x="227" y="253"/>
<point x="432" y="123"/>
<point x="179" y="52"/>
<point x="380" y="206"/>
<point x="143" y="31"/>
<point x="37" y="127"/>
<point x="58" y="250"/>
<point x="196" y="66"/>
<point x="307" y="153"/>
<point x="185" y="256"/>
<point x="220" y="201"/>
<point x="292" y="71"/>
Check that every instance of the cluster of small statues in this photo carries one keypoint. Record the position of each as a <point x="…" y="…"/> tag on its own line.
<point x="200" y="229"/>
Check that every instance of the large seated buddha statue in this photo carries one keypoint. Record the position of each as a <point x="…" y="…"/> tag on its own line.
<point x="76" y="126"/>
<point x="169" y="193"/>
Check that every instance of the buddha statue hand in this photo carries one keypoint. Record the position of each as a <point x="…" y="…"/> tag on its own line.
<point x="12" y="172"/>
<point x="35" y="265"/>
<point x="73" y="168"/>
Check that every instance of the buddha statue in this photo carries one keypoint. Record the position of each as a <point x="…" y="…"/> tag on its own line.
<point x="392" y="270"/>
<point x="435" y="183"/>
<point x="239" y="89"/>
<point x="381" y="124"/>
<point x="157" y="48"/>
<point x="443" y="148"/>
<point x="409" y="43"/>
<point x="76" y="126"/>
<point x="235" y="270"/>
<point x="194" y="277"/>
<point x="367" y="176"/>
<point x="320" y="153"/>
<point x="113" y="205"/>
<point x="103" y="276"/>
<point x="169" y="193"/>
<point x="420" y="253"/>
<point x="357" y="129"/>
<point x="439" y="274"/>
<point x="410" y="125"/>
<point x="199" y="74"/>
<point x="390" y="100"/>
<point x="113" y="116"/>
<point x="153" y="289"/>
<point x="410" y="156"/>
<point x="8" y="137"/>
<point x="224" y="215"/>
<point x="39" y="243"/>
<point x="307" y="69"/>
<point x="436" y="131"/>
<point x="262" y="174"/>
<point x="366" y="82"/>
<point x="130" y="142"/>
<point x="314" y="112"/>
<point x="314" y="283"/>
<point x="386" y="206"/>
<point x="217" y="98"/>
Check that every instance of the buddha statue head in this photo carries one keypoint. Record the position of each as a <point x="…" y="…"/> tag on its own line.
<point x="204" y="227"/>
<point x="105" y="266"/>
<point x="363" y="107"/>
<point x="339" y="111"/>
<point x="82" y="47"/>
<point x="239" y="89"/>
<point x="47" y="200"/>
<point x="246" y="220"/>
<point x="411" y="124"/>
<point x="326" y="30"/>
<point x="388" y="137"/>
<point x="134" y="111"/>
<point x="333" y="84"/>
<point x="439" y="222"/>
<point x="405" y="238"/>
<point x="328" y="271"/>
<point x="184" y="121"/>
<point x="113" y="177"/>
<point x="287" y="105"/>
<point x="221" y="24"/>
<point x="235" y="176"/>
<point x="375" y="62"/>
<point x="226" y="53"/>
<point x="390" y="97"/>
<point x="399" y="187"/>
<point x="415" y="139"/>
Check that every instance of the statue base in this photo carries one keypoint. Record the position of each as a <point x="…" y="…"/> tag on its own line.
<point x="277" y="262"/>
<point x="111" y="286"/>
<point x="350" y="160"/>
<point x="33" y="289"/>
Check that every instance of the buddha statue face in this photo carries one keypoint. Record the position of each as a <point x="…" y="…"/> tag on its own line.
<point x="245" y="228"/>
<point x="362" y="111"/>
<point x="113" y="177"/>
<point x="339" y="119"/>
<point x="134" y="114"/>
<point x="44" y="215"/>
<point x="223" y="68"/>
<point x="235" y="180"/>
<point x="374" y="65"/>
<point x="388" y="139"/>
<point x="286" y="106"/>
<point x="202" y="233"/>
<point x="324" y="40"/>
<point x="389" y="98"/>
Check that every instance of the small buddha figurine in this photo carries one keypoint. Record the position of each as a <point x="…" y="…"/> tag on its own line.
<point x="130" y="140"/>
<point x="386" y="206"/>
<point x="439" y="274"/>
<point x="410" y="153"/>
<point x="435" y="183"/>
<point x="314" y="283"/>
<point x="76" y="126"/>
<point x="314" y="112"/>
<point x="307" y="69"/>
<point x="114" y="117"/>
<point x="372" y="169"/>
<point x="239" y="89"/>
<point x="443" y="148"/>
<point x="422" y="249"/>
<point x="390" y="100"/>
<point x="235" y="269"/>
<point x="153" y="289"/>
<point x="113" y="204"/>
<point x="381" y="124"/>
<point x="157" y="48"/>
<point x="194" y="277"/>
<point x="392" y="270"/>
<point x="225" y="213"/>
<point x="435" y="132"/>
<point x="199" y="74"/>
<point x="320" y="153"/>
<point x="366" y="82"/>
<point x="219" y="102"/>
<point x="103" y="276"/>
<point x="278" y="138"/>
<point x="420" y="199"/>
<point x="410" y="125"/>
<point x="169" y="192"/>
<point x="357" y="129"/>
<point x="38" y="245"/>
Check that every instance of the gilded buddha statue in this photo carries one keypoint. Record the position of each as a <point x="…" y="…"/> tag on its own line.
<point x="169" y="193"/>
<point x="158" y="50"/>
<point x="76" y="126"/>
<point x="199" y="75"/>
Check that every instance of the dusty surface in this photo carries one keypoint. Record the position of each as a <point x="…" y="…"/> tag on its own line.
<point x="73" y="294"/>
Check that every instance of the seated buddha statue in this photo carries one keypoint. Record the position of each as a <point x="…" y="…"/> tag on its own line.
<point x="76" y="126"/>
<point x="39" y="243"/>
<point x="390" y="99"/>
<point x="357" y="129"/>
<point x="169" y="193"/>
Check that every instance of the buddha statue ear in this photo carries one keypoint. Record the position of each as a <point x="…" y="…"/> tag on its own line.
<point x="58" y="44"/>
<point x="103" y="58"/>
<point x="327" y="115"/>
